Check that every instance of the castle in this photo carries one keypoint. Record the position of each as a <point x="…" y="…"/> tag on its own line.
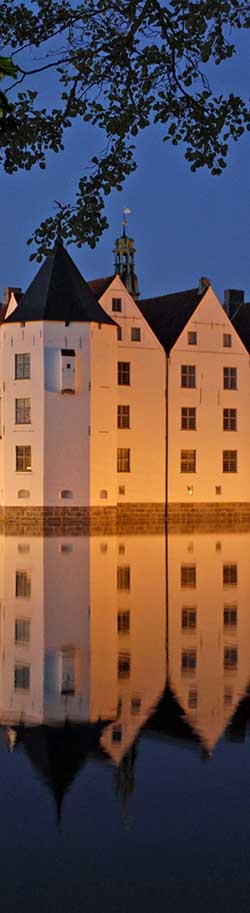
<point x="112" y="405"/>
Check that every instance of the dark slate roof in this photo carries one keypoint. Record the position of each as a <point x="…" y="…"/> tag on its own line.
<point x="167" y="315"/>
<point x="99" y="286"/>
<point x="241" y="322"/>
<point x="59" y="293"/>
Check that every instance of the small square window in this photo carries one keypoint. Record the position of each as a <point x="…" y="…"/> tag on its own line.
<point x="227" y="340"/>
<point x="188" y="460"/>
<point x="229" y="461"/>
<point x="188" y="576"/>
<point x="192" y="338"/>
<point x="116" y="305"/>
<point x="218" y="489"/>
<point x="230" y="575"/>
<point x="135" y="334"/>
<point x="188" y="376"/>
<point x="121" y="490"/>
<point x="188" y="418"/>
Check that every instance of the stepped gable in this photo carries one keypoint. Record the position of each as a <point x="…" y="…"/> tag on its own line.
<point x="59" y="293"/>
<point x="99" y="286"/>
<point x="241" y="322"/>
<point x="167" y="315"/>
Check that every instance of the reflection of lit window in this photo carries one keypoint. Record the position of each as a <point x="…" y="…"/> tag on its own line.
<point x="22" y="678"/>
<point x="23" y="584"/>
<point x="123" y="578"/>
<point x="22" y="630"/>
<point x="188" y="661"/>
<point x="188" y="618"/>
<point x="124" y="665"/>
<point x="230" y="616"/>
<point x="230" y="574"/>
<point x="117" y="734"/>
<point x="192" y="699"/>
<point x="188" y="575"/>
<point x="230" y="658"/>
<point x="123" y="622"/>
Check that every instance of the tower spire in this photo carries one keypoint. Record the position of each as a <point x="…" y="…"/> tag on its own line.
<point x="124" y="252"/>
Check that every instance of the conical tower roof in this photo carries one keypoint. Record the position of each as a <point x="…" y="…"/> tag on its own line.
<point x="59" y="293"/>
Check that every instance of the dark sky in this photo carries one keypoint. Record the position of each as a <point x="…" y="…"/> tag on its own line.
<point x="185" y="225"/>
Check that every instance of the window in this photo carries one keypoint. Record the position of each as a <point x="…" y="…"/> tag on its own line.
<point x="188" y="376"/>
<point x="228" y="697"/>
<point x="230" y="658"/>
<point x="123" y="459"/>
<point x="123" y="417"/>
<point x="135" y="705"/>
<point x="123" y="622"/>
<point x="23" y="459"/>
<point x="23" y="584"/>
<point x="230" y="616"/>
<point x="227" y="340"/>
<point x="135" y="334"/>
<point x="192" y="338"/>
<point x="188" y="618"/>
<point x="188" y="661"/>
<point x="121" y="490"/>
<point x="230" y="378"/>
<point x="229" y="460"/>
<point x="218" y="489"/>
<point x="119" y="334"/>
<point x="22" y="678"/>
<point x="230" y="575"/>
<point x="123" y="665"/>
<point x="68" y="670"/>
<point x="123" y="373"/>
<point x="66" y="493"/>
<point x="188" y="575"/>
<point x="192" y="699"/>
<point x="188" y="460"/>
<point x="116" y="304"/>
<point x="23" y="411"/>
<point x="123" y="578"/>
<point x="188" y="419"/>
<point x="22" y="367"/>
<point x="22" y="630"/>
<point x="23" y="493"/>
<point x="229" y="420"/>
<point x="117" y="734"/>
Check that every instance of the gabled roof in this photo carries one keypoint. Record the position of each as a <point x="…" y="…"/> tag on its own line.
<point x="167" y="315"/>
<point x="241" y="322"/>
<point x="99" y="286"/>
<point x="59" y="293"/>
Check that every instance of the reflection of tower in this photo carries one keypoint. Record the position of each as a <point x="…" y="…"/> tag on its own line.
<point x="124" y="252"/>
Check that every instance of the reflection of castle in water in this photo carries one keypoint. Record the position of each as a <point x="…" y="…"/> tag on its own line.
<point x="97" y="646"/>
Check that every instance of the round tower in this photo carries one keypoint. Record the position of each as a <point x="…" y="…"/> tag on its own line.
<point x="124" y="263"/>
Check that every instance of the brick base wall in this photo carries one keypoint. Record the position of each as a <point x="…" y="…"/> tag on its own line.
<point x="124" y="519"/>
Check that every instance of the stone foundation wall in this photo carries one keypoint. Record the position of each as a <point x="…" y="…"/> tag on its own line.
<point x="124" y="519"/>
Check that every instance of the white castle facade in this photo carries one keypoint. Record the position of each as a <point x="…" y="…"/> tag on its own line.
<point x="108" y="402"/>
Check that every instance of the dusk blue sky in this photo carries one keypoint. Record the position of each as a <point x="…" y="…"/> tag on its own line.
<point x="185" y="225"/>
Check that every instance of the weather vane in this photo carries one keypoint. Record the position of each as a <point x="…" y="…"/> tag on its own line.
<point x="126" y="212"/>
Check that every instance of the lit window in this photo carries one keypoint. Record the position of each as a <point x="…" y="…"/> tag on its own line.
<point x="230" y="378"/>
<point x="135" y="334"/>
<point x="123" y="665"/>
<point x="188" y="460"/>
<point x="188" y="418"/>
<point x="123" y="417"/>
<point x="230" y="659"/>
<point x="22" y="630"/>
<point x="227" y="340"/>
<point x="192" y="338"/>
<point x="22" y="678"/>
<point x="123" y="578"/>
<point x="188" y="661"/>
<point x="229" y="419"/>
<point x="123" y="373"/>
<point x="188" y="376"/>
<point x="229" y="461"/>
<point x="23" y="584"/>
<point x="23" y="459"/>
<point x="22" y="367"/>
<point x="23" y="411"/>
<point x="116" y="304"/>
<point x="123" y="459"/>
<point x="188" y="575"/>
<point x="230" y="616"/>
<point x="230" y="574"/>
<point x="123" y="622"/>
<point x="119" y="333"/>
<point x="188" y="618"/>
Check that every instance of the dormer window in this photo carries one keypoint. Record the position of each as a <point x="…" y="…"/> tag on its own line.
<point x="116" y="304"/>
<point x="67" y="370"/>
